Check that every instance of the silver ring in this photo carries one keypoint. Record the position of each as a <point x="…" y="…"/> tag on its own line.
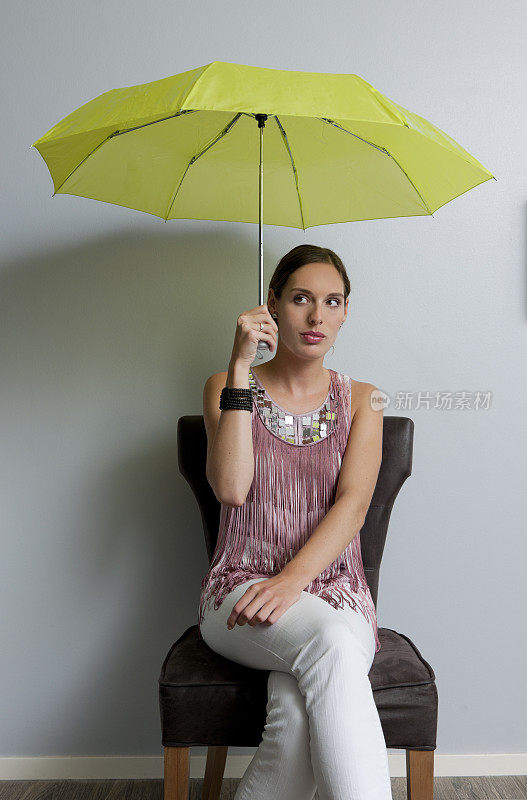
<point x="261" y="327"/>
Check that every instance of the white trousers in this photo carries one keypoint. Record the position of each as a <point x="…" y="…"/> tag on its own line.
<point x="322" y="733"/>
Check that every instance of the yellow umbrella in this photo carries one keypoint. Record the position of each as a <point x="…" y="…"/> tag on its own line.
<point x="186" y="147"/>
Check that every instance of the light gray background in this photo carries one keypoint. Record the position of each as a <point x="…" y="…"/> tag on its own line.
<point x="112" y="321"/>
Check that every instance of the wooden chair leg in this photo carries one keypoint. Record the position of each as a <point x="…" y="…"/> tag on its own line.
<point x="215" y="767"/>
<point x="420" y="774"/>
<point x="176" y="773"/>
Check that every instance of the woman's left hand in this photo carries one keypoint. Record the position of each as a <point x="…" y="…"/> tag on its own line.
<point x="264" y="601"/>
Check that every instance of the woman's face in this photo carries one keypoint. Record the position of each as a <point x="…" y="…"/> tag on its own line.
<point x="312" y="300"/>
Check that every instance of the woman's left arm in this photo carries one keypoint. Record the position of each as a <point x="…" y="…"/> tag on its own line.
<point x="357" y="480"/>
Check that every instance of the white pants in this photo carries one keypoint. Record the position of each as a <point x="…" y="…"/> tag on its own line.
<point x="323" y="731"/>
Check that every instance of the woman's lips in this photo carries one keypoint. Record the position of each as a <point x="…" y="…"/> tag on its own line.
<point x="310" y="339"/>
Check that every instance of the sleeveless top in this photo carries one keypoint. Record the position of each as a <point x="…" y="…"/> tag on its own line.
<point x="297" y="460"/>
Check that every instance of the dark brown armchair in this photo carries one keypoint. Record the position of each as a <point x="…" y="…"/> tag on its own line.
<point x="208" y="700"/>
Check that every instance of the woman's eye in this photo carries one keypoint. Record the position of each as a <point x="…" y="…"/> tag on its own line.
<point x="335" y="299"/>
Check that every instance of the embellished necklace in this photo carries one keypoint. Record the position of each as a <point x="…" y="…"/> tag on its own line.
<point x="307" y="428"/>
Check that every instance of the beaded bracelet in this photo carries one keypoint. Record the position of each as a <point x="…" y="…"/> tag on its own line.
<point x="236" y="397"/>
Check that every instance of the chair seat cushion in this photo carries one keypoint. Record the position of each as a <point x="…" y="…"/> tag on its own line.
<point x="206" y="699"/>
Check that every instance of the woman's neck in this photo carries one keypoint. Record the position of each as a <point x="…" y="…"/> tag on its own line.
<point x="294" y="386"/>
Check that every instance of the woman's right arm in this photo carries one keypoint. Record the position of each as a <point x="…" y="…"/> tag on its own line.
<point x="230" y="458"/>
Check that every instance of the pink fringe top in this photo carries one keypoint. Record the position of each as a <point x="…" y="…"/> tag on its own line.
<point x="297" y="460"/>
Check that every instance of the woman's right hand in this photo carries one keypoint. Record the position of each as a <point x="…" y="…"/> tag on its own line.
<point x="248" y="334"/>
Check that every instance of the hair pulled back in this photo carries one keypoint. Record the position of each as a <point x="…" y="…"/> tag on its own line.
<point x="306" y="254"/>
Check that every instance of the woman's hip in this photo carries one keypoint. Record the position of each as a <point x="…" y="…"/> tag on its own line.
<point x="310" y="621"/>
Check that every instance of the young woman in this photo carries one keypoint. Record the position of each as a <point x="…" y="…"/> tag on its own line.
<point x="294" y="451"/>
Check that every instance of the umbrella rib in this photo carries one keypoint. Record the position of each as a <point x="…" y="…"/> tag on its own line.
<point x="82" y="162"/>
<point x="119" y="133"/>
<point x="155" y="121"/>
<point x="383" y="150"/>
<point x="284" y="137"/>
<point x="194" y="158"/>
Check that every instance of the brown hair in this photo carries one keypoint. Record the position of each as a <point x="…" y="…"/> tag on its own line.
<point x="306" y="254"/>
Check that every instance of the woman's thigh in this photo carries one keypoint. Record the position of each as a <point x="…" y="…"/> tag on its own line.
<point x="276" y="646"/>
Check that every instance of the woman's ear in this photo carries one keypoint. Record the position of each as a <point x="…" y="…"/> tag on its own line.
<point x="270" y="306"/>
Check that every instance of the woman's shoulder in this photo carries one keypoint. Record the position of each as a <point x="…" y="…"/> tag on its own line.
<point x="360" y="391"/>
<point x="357" y="387"/>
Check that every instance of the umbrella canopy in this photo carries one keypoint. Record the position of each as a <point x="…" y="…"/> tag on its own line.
<point x="188" y="147"/>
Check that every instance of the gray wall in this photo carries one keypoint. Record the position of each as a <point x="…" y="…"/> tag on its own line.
<point x="112" y="321"/>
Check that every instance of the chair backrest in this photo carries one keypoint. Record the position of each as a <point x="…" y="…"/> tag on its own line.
<point x="396" y="466"/>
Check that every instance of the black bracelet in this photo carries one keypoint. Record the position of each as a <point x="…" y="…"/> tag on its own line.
<point x="237" y="398"/>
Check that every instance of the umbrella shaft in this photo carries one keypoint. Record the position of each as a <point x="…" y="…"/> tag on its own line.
<point x="260" y="221"/>
<point x="260" y="118"/>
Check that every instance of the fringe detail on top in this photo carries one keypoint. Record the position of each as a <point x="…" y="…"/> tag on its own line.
<point x="293" y="488"/>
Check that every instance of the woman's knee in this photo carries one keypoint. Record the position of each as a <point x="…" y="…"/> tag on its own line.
<point x="332" y="634"/>
<point x="332" y="640"/>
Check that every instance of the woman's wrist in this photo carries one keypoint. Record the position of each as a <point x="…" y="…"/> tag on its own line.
<point x="238" y="375"/>
<point x="294" y="578"/>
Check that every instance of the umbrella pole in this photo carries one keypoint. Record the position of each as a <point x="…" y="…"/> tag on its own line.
<point x="262" y="345"/>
